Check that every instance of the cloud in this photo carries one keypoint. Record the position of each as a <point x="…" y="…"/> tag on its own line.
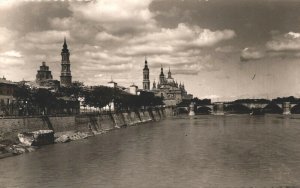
<point x="115" y="14"/>
<point x="11" y="54"/>
<point x="46" y="37"/>
<point x="183" y="37"/>
<point x="61" y="23"/>
<point x="105" y="37"/>
<point x="115" y="10"/>
<point x="284" y="42"/>
<point x="226" y="49"/>
<point x="106" y="68"/>
<point x="207" y="37"/>
<point x="185" y="34"/>
<point x="248" y="54"/>
<point x="11" y="58"/>
<point x="5" y="4"/>
<point x="293" y="34"/>
<point x="7" y="38"/>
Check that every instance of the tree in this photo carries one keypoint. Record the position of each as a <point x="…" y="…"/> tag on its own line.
<point x="75" y="90"/>
<point x="44" y="99"/>
<point x="99" y="96"/>
<point x="22" y="92"/>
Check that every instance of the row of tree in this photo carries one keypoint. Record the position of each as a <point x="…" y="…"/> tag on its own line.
<point x="42" y="101"/>
<point x="197" y="101"/>
<point x="101" y="96"/>
<point x="279" y="100"/>
<point x="32" y="101"/>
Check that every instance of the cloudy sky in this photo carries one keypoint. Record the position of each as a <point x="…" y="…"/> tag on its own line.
<point x="214" y="46"/>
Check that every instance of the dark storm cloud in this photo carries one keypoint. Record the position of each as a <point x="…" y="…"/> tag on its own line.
<point x="27" y="17"/>
<point x="251" y="19"/>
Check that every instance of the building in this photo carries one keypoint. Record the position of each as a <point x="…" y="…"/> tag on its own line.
<point x="7" y="90"/>
<point x="146" y="81"/>
<point x="133" y="89"/>
<point x="112" y="84"/>
<point x="43" y="74"/>
<point x="167" y="88"/>
<point x="65" y="76"/>
<point x="44" y="78"/>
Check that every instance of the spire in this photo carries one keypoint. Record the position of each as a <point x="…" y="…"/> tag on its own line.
<point x="65" y="46"/>
<point x="154" y="85"/>
<point x="162" y="71"/>
<point x="169" y="73"/>
<point x="65" y="43"/>
<point x="146" y="64"/>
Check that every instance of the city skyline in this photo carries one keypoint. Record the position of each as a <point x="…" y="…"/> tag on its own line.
<point x="220" y="50"/>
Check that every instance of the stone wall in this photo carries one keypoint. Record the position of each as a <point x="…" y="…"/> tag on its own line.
<point x="10" y="127"/>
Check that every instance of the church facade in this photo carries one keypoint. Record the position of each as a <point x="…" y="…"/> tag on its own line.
<point x="167" y="88"/>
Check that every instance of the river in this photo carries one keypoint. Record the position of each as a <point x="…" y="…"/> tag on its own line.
<point x="199" y="151"/>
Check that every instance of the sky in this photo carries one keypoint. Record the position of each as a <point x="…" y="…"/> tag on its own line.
<point x="220" y="49"/>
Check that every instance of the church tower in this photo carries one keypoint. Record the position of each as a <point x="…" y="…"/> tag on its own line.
<point x="169" y="73"/>
<point x="154" y="85"/>
<point x="161" y="76"/>
<point x="146" y="81"/>
<point x="65" y="76"/>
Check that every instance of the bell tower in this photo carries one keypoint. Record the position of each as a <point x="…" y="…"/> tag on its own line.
<point x="146" y="81"/>
<point x="65" y="76"/>
<point x="161" y="76"/>
<point x="169" y="73"/>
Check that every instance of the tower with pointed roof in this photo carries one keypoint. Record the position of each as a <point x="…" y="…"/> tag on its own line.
<point x="161" y="76"/>
<point x="146" y="80"/>
<point x="154" y="85"/>
<point x="65" y="76"/>
<point x="169" y="73"/>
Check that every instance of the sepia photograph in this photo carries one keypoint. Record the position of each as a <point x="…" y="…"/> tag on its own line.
<point x="149" y="93"/>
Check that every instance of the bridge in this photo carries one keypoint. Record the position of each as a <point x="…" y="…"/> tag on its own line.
<point x="219" y="108"/>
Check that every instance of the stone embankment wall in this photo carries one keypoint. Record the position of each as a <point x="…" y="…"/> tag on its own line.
<point x="10" y="127"/>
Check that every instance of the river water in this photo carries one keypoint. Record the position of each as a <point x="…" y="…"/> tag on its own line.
<point x="202" y="151"/>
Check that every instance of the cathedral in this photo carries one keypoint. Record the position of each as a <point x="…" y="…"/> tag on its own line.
<point x="167" y="88"/>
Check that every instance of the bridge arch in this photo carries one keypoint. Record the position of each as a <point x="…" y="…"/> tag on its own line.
<point x="295" y="109"/>
<point x="182" y="110"/>
<point x="203" y="110"/>
<point x="237" y="109"/>
<point x="272" y="108"/>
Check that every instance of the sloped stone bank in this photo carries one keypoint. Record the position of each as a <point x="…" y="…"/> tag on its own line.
<point x="69" y="128"/>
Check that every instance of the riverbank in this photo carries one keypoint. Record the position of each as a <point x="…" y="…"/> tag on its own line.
<point x="70" y="128"/>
